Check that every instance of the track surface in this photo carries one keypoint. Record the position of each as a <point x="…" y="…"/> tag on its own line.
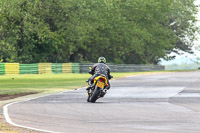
<point x="159" y="103"/>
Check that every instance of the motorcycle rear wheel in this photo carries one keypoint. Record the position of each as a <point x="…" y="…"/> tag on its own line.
<point x="95" y="95"/>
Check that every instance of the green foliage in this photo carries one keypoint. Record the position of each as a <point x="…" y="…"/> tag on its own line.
<point x="124" y="31"/>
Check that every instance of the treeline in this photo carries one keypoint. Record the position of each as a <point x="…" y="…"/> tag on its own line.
<point x="123" y="31"/>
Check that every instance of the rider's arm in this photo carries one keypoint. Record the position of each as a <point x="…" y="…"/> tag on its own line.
<point x="91" y="71"/>
<point x="109" y="76"/>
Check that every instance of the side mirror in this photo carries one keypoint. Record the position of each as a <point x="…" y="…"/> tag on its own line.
<point x="90" y="68"/>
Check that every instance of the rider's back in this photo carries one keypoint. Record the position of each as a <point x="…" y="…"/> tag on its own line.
<point x="101" y="68"/>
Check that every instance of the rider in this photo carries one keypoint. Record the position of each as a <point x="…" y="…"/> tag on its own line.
<point x="98" y="69"/>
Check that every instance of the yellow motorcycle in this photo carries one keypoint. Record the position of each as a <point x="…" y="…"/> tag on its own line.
<point x="98" y="89"/>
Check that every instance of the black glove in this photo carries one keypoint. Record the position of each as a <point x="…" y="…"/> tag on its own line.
<point x="110" y="76"/>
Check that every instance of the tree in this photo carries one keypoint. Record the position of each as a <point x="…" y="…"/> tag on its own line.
<point x="124" y="31"/>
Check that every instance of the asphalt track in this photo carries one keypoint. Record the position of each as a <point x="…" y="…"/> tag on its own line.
<point x="157" y="103"/>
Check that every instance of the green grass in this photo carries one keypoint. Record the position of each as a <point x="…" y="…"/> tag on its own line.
<point x="16" y="84"/>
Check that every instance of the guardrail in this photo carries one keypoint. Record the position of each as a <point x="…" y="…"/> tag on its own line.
<point x="38" y="68"/>
<point x="125" y="67"/>
<point x="46" y="68"/>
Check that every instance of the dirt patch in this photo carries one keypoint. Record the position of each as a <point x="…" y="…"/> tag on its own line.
<point x="7" y="97"/>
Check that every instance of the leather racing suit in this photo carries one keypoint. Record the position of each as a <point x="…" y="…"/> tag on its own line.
<point x="97" y="70"/>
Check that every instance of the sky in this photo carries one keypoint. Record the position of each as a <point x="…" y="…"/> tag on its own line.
<point x="186" y="58"/>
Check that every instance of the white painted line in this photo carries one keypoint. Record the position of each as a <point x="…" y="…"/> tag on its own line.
<point x="8" y="119"/>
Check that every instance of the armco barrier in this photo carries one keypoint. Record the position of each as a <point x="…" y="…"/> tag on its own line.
<point x="2" y="69"/>
<point x="135" y="68"/>
<point x="56" y="67"/>
<point x="67" y="68"/>
<point x="47" y="68"/>
<point x="75" y="67"/>
<point x="44" y="68"/>
<point x="84" y="67"/>
<point x="12" y="68"/>
<point x="28" y="68"/>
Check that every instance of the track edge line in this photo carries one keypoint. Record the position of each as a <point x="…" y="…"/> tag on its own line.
<point x="8" y="119"/>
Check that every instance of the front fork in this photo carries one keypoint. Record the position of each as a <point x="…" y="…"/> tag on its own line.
<point x="88" y="93"/>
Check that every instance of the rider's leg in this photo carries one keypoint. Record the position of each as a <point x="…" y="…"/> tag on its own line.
<point x="90" y="82"/>
<point x="105" y="89"/>
<point x="108" y="87"/>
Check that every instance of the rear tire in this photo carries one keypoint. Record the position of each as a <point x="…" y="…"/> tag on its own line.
<point x="95" y="95"/>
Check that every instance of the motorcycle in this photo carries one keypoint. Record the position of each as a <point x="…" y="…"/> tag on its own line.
<point x="98" y="89"/>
